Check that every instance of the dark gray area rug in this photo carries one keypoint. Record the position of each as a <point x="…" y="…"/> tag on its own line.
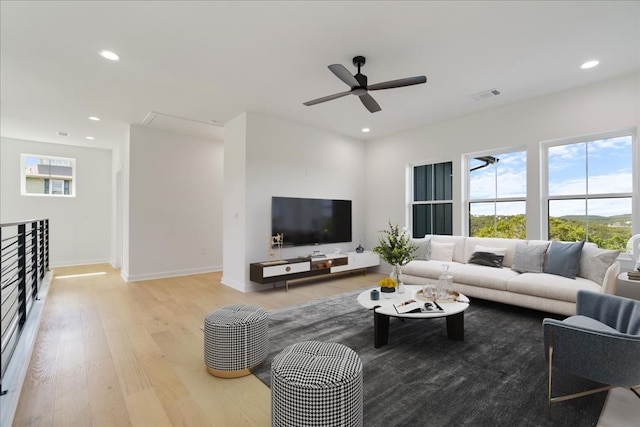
<point x="495" y="377"/>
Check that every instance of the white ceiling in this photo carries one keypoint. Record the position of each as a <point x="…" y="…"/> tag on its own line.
<point x="214" y="60"/>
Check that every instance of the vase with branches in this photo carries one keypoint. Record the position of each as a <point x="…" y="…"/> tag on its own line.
<point x="395" y="248"/>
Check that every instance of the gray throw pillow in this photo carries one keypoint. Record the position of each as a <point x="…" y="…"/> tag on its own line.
<point x="594" y="262"/>
<point x="529" y="258"/>
<point x="563" y="259"/>
<point x="423" y="248"/>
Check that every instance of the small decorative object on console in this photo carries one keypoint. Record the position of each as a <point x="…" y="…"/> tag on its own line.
<point x="359" y="249"/>
<point x="275" y="241"/>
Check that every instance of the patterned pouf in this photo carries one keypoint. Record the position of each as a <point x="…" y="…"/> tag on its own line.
<point x="236" y="339"/>
<point x="316" y="384"/>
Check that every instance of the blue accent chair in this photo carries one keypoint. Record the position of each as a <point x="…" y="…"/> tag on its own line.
<point x="600" y="343"/>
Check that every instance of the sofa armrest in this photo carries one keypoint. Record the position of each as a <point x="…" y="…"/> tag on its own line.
<point x="610" y="283"/>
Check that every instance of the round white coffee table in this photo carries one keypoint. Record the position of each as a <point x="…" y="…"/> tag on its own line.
<point x="383" y="309"/>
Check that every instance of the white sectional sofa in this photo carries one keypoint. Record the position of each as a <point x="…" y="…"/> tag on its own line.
<point x="532" y="273"/>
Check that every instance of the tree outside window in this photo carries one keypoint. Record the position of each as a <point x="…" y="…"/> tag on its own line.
<point x="497" y="191"/>
<point x="590" y="191"/>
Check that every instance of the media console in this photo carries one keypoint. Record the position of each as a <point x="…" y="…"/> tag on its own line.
<point x="299" y="268"/>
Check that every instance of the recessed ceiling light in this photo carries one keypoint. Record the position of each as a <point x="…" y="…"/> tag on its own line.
<point x="94" y="118"/>
<point x="107" y="54"/>
<point x="90" y="138"/>
<point x="589" y="64"/>
<point x="365" y="130"/>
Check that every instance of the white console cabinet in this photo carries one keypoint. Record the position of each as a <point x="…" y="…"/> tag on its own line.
<point x="358" y="262"/>
<point x="300" y="268"/>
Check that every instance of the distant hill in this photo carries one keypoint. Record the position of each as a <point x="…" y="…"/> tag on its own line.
<point x="615" y="219"/>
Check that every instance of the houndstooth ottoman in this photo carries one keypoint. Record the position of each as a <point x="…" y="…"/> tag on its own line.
<point x="236" y="339"/>
<point x="316" y="384"/>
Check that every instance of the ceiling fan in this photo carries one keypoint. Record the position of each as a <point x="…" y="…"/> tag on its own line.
<point x="358" y="85"/>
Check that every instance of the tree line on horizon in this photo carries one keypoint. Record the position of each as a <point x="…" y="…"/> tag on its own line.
<point x="606" y="232"/>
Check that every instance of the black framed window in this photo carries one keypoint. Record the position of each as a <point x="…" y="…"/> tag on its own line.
<point x="432" y="205"/>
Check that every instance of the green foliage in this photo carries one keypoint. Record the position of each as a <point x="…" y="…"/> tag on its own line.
<point x="395" y="247"/>
<point x="606" y="232"/>
<point x="508" y="227"/>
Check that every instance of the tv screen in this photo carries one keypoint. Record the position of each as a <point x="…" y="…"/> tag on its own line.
<point x="311" y="221"/>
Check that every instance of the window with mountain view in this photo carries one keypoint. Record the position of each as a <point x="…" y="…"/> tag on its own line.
<point x="432" y="206"/>
<point x="497" y="191"/>
<point x="590" y="190"/>
<point x="47" y="176"/>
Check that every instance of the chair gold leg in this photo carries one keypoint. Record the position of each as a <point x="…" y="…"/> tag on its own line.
<point x="549" y="375"/>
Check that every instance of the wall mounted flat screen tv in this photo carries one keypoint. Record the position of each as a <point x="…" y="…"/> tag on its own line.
<point x="311" y="221"/>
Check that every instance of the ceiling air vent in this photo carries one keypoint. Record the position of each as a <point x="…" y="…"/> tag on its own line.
<point x="486" y="94"/>
<point x="182" y="125"/>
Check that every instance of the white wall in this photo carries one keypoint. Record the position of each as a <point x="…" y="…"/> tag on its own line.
<point x="607" y="106"/>
<point x="284" y="159"/>
<point x="235" y="215"/>
<point x="79" y="226"/>
<point x="174" y="204"/>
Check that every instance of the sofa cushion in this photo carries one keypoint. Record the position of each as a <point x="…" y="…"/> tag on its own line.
<point x="471" y="274"/>
<point x="497" y="251"/>
<point x="589" y="323"/>
<point x="563" y="258"/>
<point x="482" y="276"/>
<point x="495" y="243"/>
<point x="441" y="251"/>
<point x="529" y="258"/>
<point x="545" y="285"/>
<point x="458" y="252"/>
<point x="594" y="262"/>
<point x="488" y="259"/>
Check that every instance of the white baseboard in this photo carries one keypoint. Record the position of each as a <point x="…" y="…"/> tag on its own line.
<point x="165" y="274"/>
<point x="76" y="263"/>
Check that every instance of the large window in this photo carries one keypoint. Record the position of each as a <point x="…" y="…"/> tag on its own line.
<point x="497" y="191"/>
<point x="590" y="190"/>
<point x="47" y="176"/>
<point x="432" y="199"/>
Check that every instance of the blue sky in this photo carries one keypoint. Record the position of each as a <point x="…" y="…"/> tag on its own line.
<point x="609" y="170"/>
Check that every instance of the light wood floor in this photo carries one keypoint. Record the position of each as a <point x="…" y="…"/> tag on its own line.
<point x="110" y="353"/>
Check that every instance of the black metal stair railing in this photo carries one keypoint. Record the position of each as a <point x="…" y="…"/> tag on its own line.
<point x="24" y="261"/>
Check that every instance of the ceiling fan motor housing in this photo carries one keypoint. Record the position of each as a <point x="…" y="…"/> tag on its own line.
<point x="362" y="88"/>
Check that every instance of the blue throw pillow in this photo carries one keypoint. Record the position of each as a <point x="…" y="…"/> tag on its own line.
<point x="563" y="259"/>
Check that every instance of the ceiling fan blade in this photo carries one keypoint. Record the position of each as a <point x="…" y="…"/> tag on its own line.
<point x="343" y="74"/>
<point x="370" y="103"/>
<point x="409" y="81"/>
<point x="327" y="98"/>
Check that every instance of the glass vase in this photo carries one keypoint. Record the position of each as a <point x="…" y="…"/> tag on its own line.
<point x="396" y="275"/>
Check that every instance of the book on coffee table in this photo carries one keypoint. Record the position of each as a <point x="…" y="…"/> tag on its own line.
<point x="412" y="306"/>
